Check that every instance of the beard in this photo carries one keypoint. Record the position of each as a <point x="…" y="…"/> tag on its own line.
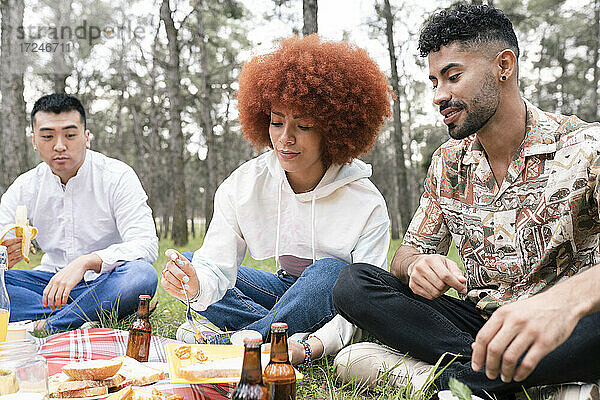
<point x="483" y="107"/>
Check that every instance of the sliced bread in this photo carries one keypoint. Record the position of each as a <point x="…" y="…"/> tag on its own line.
<point x="212" y="369"/>
<point x="126" y="393"/>
<point x="87" y="392"/>
<point x="136" y="373"/>
<point x="96" y="370"/>
<point x="58" y="387"/>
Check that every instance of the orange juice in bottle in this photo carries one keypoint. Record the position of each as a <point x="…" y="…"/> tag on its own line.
<point x="4" y="302"/>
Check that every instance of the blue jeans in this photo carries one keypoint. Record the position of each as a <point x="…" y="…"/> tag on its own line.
<point x="260" y="298"/>
<point x="377" y="301"/>
<point x="117" y="290"/>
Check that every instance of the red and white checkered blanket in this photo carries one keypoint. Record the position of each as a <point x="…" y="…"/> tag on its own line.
<point x="103" y="343"/>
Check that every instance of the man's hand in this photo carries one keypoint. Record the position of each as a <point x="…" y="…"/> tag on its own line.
<point x="532" y="327"/>
<point x="178" y="276"/>
<point x="431" y="275"/>
<point x="13" y="248"/>
<point x="56" y="293"/>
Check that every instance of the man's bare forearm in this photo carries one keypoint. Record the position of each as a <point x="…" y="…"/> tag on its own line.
<point x="403" y="258"/>
<point x="581" y="291"/>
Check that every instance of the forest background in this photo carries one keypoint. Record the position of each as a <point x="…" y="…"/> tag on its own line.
<point x="158" y="79"/>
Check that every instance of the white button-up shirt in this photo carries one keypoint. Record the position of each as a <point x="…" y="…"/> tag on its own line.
<point x="100" y="210"/>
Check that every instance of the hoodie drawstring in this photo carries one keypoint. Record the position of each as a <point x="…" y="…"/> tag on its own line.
<point x="312" y="226"/>
<point x="278" y="225"/>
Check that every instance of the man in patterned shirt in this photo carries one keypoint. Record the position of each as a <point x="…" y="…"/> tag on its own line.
<point x="517" y="190"/>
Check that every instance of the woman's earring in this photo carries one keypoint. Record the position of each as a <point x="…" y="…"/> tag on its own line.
<point x="503" y="78"/>
<point x="34" y="148"/>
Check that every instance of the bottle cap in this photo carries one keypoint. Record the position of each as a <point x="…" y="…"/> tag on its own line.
<point x="279" y="326"/>
<point x="252" y="341"/>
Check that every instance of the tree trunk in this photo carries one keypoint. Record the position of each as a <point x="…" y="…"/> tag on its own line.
<point x="309" y="11"/>
<point x="207" y="123"/>
<point x="402" y="189"/>
<point x="595" y="103"/>
<point x="60" y="71"/>
<point x="13" y="120"/>
<point x="180" y="231"/>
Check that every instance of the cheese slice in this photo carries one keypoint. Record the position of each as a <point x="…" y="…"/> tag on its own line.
<point x="22" y="230"/>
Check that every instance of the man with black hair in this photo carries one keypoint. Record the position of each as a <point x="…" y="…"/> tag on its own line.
<point x="517" y="190"/>
<point x="94" y="226"/>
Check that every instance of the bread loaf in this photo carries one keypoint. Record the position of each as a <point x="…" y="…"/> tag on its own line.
<point x="96" y="370"/>
<point x="136" y="373"/>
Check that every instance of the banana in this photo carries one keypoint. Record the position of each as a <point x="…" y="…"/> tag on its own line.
<point x="22" y="230"/>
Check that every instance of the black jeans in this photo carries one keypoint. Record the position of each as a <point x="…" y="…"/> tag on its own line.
<point x="378" y="302"/>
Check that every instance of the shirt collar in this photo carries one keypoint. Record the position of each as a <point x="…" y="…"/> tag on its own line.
<point x="81" y="172"/>
<point x="539" y="137"/>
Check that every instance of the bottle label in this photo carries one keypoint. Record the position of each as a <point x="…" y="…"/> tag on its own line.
<point x="3" y="259"/>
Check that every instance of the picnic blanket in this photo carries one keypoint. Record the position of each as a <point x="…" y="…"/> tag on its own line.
<point x="104" y="343"/>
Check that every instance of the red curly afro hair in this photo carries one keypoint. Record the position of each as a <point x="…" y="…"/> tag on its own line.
<point x="336" y="84"/>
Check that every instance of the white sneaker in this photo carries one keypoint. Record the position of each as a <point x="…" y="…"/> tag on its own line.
<point x="369" y="363"/>
<point x="574" y="391"/>
<point x="568" y="391"/>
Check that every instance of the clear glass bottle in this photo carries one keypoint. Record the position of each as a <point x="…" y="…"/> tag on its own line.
<point x="23" y="372"/>
<point x="4" y="301"/>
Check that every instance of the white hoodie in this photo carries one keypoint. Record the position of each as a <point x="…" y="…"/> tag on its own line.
<point x="344" y="217"/>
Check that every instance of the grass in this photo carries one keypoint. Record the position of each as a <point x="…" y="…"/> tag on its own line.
<point x="319" y="381"/>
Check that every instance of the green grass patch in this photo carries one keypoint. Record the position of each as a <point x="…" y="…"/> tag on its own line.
<point x="319" y="381"/>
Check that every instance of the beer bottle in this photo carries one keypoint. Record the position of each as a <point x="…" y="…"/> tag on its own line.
<point x="251" y="386"/>
<point x="279" y="374"/>
<point x="138" y="345"/>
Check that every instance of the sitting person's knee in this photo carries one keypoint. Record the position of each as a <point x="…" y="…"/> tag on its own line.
<point x="347" y="281"/>
<point x="144" y="277"/>
<point x="327" y="266"/>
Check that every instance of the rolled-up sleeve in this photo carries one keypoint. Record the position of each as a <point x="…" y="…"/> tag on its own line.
<point x="428" y="232"/>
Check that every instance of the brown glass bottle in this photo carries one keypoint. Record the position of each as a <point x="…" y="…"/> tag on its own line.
<point x="279" y="375"/>
<point x="140" y="331"/>
<point x="251" y="386"/>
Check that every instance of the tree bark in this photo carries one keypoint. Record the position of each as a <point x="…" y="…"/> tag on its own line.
<point x="13" y="120"/>
<point x="309" y="11"/>
<point x="180" y="231"/>
<point x="207" y="123"/>
<point x="60" y="71"/>
<point x="595" y="103"/>
<point x="401" y="180"/>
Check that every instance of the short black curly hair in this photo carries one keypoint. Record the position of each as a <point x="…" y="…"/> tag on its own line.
<point x="470" y="25"/>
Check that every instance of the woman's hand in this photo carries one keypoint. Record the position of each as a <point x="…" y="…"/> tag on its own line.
<point x="179" y="275"/>
<point x="296" y="352"/>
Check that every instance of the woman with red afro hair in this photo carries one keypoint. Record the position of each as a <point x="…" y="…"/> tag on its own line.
<point x="307" y="202"/>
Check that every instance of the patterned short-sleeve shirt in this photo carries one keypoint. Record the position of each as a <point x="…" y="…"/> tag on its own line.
<point x="540" y="226"/>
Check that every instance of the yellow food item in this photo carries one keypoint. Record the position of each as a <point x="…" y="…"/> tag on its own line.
<point x="4" y="317"/>
<point x="22" y="230"/>
<point x="8" y="382"/>
<point x="184" y="352"/>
